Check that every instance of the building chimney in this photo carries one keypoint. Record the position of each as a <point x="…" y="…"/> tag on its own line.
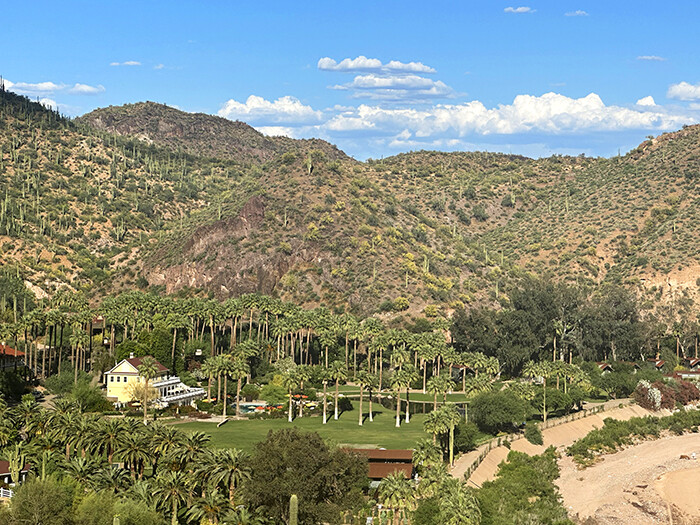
<point x="131" y="355"/>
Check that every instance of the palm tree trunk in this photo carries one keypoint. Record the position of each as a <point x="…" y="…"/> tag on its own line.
<point x="145" y="400"/>
<point x="325" y="403"/>
<point x="290" y="405"/>
<point x="225" y="392"/>
<point x="398" y="409"/>
<point x="173" y="520"/>
<point x="335" y="415"/>
<point x="361" y="391"/>
<point x="408" y="405"/>
<point x="371" y="416"/>
<point x="172" y="357"/>
<point x="238" y="397"/>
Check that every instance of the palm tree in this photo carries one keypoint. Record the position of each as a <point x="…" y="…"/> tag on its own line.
<point x="114" y="479"/>
<point x="134" y="452"/>
<point x="164" y="440"/>
<point x="290" y="381"/>
<point x="426" y="455"/>
<point x="435" y="424"/>
<point x="541" y="370"/>
<point x="209" y="368"/>
<point x="451" y="417"/>
<point x="148" y="369"/>
<point x="209" y="508"/>
<point x="396" y="493"/>
<point x="171" y="490"/>
<point x="458" y="505"/>
<point x="325" y="377"/>
<point x="338" y="373"/>
<point x="226" y="369"/>
<point x="363" y="379"/>
<point x="239" y="370"/>
<point x="228" y="468"/>
<point x="400" y="380"/>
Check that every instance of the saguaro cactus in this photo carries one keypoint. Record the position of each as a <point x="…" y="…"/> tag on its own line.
<point x="293" y="510"/>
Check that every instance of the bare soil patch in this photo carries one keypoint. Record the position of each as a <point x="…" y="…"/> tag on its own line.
<point x="633" y="486"/>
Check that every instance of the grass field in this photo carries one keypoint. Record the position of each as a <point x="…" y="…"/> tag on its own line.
<point x="345" y="431"/>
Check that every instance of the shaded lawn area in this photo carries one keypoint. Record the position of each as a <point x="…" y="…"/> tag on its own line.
<point x="345" y="431"/>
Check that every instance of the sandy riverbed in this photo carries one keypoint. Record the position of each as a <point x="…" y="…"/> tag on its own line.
<point x="644" y="484"/>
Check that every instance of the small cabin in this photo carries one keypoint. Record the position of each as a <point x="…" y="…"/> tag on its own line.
<point x="692" y="363"/>
<point x="6" y="476"/>
<point x="383" y="462"/>
<point x="604" y="368"/>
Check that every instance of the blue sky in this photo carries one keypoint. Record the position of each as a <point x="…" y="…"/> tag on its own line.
<point x="377" y="77"/>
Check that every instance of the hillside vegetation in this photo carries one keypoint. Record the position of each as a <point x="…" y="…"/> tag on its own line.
<point x="149" y="196"/>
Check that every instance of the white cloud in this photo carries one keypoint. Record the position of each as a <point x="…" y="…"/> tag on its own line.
<point x="49" y="103"/>
<point x="684" y="91"/>
<point x="651" y="58"/>
<point x="362" y="63"/>
<point x="47" y="88"/>
<point x="550" y="113"/>
<point x="159" y="66"/>
<point x="27" y="88"/>
<point x="646" y="101"/>
<point x="84" y="89"/>
<point x="127" y="63"/>
<point x="522" y="9"/>
<point x="396" y="88"/>
<point x="258" y="111"/>
<point x="276" y="131"/>
<point x="578" y="12"/>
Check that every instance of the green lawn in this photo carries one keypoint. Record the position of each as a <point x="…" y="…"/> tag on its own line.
<point x="381" y="433"/>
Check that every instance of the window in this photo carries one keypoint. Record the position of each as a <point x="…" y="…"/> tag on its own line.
<point x="119" y="378"/>
<point x="111" y="379"/>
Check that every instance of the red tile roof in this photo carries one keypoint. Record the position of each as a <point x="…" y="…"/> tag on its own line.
<point x="137" y="361"/>
<point x="9" y="351"/>
<point x="5" y="467"/>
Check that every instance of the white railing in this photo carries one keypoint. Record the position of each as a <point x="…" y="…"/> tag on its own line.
<point x="6" y="493"/>
<point x="173" y="380"/>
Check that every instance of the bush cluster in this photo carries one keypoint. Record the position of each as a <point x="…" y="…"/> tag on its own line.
<point x="668" y="395"/>
<point x="616" y="434"/>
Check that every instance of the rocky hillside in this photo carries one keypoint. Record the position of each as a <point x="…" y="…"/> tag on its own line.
<point x="422" y="232"/>
<point x="197" y="133"/>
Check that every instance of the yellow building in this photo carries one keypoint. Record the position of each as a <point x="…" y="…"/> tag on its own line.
<point x="171" y="390"/>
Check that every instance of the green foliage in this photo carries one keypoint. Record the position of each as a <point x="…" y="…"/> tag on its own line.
<point x="533" y="433"/>
<point x="466" y="436"/>
<point x="273" y="394"/>
<point x="495" y="412"/>
<point x="615" y="434"/>
<point x="12" y="384"/>
<point x="48" y="501"/>
<point x="293" y="462"/>
<point x="523" y="492"/>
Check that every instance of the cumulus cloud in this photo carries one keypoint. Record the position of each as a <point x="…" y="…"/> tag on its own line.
<point x="261" y="112"/>
<point x="684" y="91"/>
<point x="578" y="12"/>
<point x="43" y="89"/>
<point x="28" y="88"/>
<point x="362" y="63"/>
<point x="550" y="113"/>
<point x="84" y="89"/>
<point x="159" y="66"/>
<point x="646" y="101"/>
<point x="396" y="88"/>
<point x="127" y="63"/>
<point x="276" y="131"/>
<point x="49" y="103"/>
<point x="651" y="58"/>
<point x="522" y="9"/>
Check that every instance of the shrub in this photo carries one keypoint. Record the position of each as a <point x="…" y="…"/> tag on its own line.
<point x="533" y="433"/>
<point x="466" y="435"/>
<point x="250" y="392"/>
<point x="495" y="412"/>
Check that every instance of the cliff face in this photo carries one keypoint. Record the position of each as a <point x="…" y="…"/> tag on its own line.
<point x="212" y="258"/>
<point x="197" y="133"/>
